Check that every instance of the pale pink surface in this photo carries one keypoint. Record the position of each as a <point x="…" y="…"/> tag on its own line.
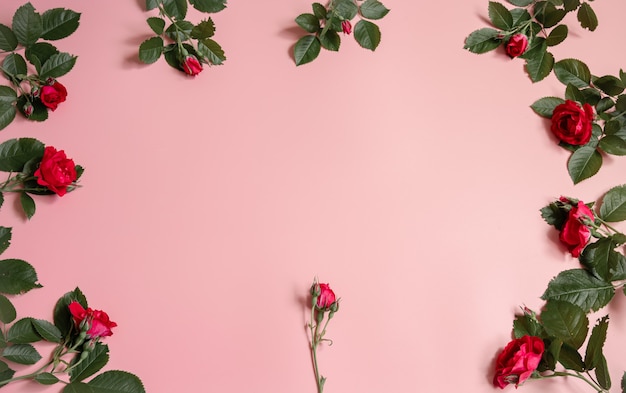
<point x="409" y="179"/>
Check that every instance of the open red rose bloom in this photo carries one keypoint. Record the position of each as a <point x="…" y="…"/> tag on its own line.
<point x="56" y="171"/>
<point x="519" y="359"/>
<point x="99" y="323"/>
<point x="572" y="123"/>
<point x="575" y="234"/>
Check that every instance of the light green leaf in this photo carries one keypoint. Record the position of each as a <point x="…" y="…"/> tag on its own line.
<point x="584" y="163"/>
<point x="212" y="51"/>
<point x="21" y="354"/>
<point x="150" y="50"/>
<point x="27" y="25"/>
<point x="57" y="65"/>
<point x="367" y="34"/>
<point x="345" y="9"/>
<point x="579" y="287"/>
<point x="306" y="49"/>
<point x="8" y="41"/>
<point x="500" y="16"/>
<point x="116" y="382"/>
<point x="613" y="205"/>
<point x="587" y="17"/>
<point x="373" y="9"/>
<point x="59" y="23"/>
<point x="572" y="71"/>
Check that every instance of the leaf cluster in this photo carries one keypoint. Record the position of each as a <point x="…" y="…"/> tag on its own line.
<point x="538" y="20"/>
<point x="604" y="93"/>
<point x="324" y="26"/>
<point x="32" y="33"/>
<point x="21" y="157"/>
<point x="181" y="37"/>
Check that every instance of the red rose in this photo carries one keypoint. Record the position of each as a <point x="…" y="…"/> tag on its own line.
<point x="516" y="363"/>
<point x="326" y="297"/>
<point x="575" y="234"/>
<point x="571" y="123"/>
<point x="52" y="95"/>
<point x="516" y="45"/>
<point x="56" y="171"/>
<point x="99" y="323"/>
<point x="191" y="66"/>
<point x="346" y="26"/>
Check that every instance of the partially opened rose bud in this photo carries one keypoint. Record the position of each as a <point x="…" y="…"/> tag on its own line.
<point x="516" y="46"/>
<point x="191" y="66"/>
<point x="28" y="109"/>
<point x="326" y="298"/>
<point x="346" y="26"/>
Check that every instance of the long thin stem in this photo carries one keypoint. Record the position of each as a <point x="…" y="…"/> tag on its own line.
<point x="575" y="375"/>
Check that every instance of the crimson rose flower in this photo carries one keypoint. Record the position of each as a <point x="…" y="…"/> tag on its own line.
<point x="99" y="323"/>
<point x="52" y="95"/>
<point x="516" y="45"/>
<point x="191" y="66"/>
<point x="326" y="297"/>
<point x="571" y="123"/>
<point x="346" y="26"/>
<point x="516" y="363"/>
<point x="575" y="234"/>
<point x="56" y="171"/>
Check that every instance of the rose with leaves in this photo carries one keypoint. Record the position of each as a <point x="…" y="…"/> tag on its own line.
<point x="96" y="323"/>
<point x="518" y="360"/>
<point x="516" y="46"/>
<point x="184" y="45"/>
<point x="572" y="123"/>
<point x="326" y="21"/>
<point x="56" y="172"/>
<point x="34" y="89"/>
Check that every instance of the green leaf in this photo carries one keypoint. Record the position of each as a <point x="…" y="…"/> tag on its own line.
<point x="212" y="51"/>
<point x="570" y="358"/>
<point x="7" y="310"/>
<point x="345" y="9"/>
<point x="40" y="111"/>
<point x="539" y="64"/>
<point x="21" y="354"/>
<point x="544" y="107"/>
<point x="319" y="11"/>
<point x="581" y="288"/>
<point x="62" y="317"/>
<point x="14" y="65"/>
<point x="57" y="65"/>
<point x="306" y="50"/>
<point x="59" y="23"/>
<point x="47" y="330"/>
<point x="557" y="35"/>
<point x="94" y="362"/>
<point x="28" y="205"/>
<point x="602" y="260"/>
<point x="17" y="276"/>
<point x="613" y="205"/>
<point x="520" y="15"/>
<point x="614" y="145"/>
<point x="204" y="29"/>
<point x="553" y="215"/>
<point x="624" y="382"/>
<point x="176" y="8"/>
<point x="7" y="95"/>
<point x="5" y="238"/>
<point x="308" y="22"/>
<point x="8" y="41"/>
<point x="610" y="85"/>
<point x="547" y="14"/>
<point x="604" y="104"/>
<point x="156" y="24"/>
<point x="500" y="16"/>
<point x="593" y="355"/>
<point x="46" y="379"/>
<point x="5" y="373"/>
<point x="602" y="373"/>
<point x="570" y="5"/>
<point x="14" y="153"/>
<point x="330" y="40"/>
<point x="23" y="332"/>
<point x="150" y="50"/>
<point x="587" y="17"/>
<point x="520" y="3"/>
<point x="374" y="9"/>
<point x="179" y="30"/>
<point x="524" y="325"/>
<point x="7" y="114"/>
<point x="40" y="53"/>
<point x="27" y="25"/>
<point x="152" y="4"/>
<point x="565" y="321"/>
<point x="482" y="41"/>
<point x="116" y="382"/>
<point x="210" y="6"/>
<point x="572" y="71"/>
<point x="584" y="163"/>
<point x="367" y="34"/>
<point x="77" y="387"/>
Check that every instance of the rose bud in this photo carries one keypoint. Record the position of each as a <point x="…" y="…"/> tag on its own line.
<point x="571" y="123"/>
<point x="516" y="45"/>
<point x="191" y="65"/>
<point x="28" y="109"/>
<point x="346" y="26"/>
<point x="326" y="297"/>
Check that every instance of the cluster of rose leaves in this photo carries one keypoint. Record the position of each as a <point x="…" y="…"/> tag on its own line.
<point x="33" y="94"/>
<point x="324" y="305"/>
<point x="556" y="335"/>
<point x="326" y="22"/>
<point x="188" y="46"/>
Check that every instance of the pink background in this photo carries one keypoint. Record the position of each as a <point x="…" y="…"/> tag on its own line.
<point x="409" y="179"/>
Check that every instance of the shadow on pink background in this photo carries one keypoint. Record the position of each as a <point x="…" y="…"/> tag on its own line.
<point x="410" y="179"/>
